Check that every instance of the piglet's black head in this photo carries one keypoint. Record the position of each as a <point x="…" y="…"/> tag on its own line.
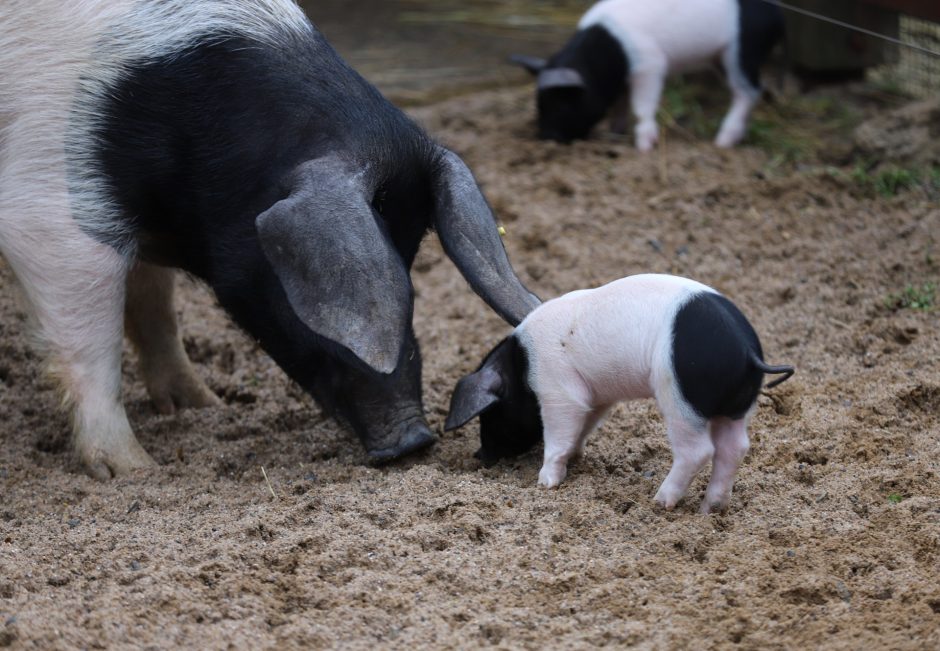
<point x="498" y="392"/>
<point x="576" y="87"/>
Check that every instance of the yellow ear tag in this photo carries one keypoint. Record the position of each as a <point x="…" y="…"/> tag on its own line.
<point x="501" y="230"/>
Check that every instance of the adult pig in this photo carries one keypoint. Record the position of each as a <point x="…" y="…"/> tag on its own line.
<point x="624" y="49"/>
<point x="226" y="138"/>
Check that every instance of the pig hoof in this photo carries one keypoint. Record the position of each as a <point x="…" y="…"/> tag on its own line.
<point x="103" y="466"/>
<point x="184" y="392"/>
<point x="667" y="503"/>
<point x="727" y="140"/>
<point x="713" y="506"/>
<point x="416" y="438"/>
<point x="549" y="479"/>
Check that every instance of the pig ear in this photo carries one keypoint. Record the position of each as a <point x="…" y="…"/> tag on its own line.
<point x="474" y="393"/>
<point x="560" y="78"/>
<point x="341" y="275"/>
<point x="533" y="64"/>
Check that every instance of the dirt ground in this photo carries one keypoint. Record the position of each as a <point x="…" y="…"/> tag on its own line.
<point x="833" y="535"/>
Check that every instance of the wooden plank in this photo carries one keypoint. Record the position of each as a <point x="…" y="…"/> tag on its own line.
<point x="926" y="9"/>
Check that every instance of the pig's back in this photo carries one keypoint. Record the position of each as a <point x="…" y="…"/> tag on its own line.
<point x="611" y="336"/>
<point x="682" y="30"/>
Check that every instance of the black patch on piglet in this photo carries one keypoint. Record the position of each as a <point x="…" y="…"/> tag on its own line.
<point x="499" y="392"/>
<point x="713" y="351"/>
<point x="760" y="27"/>
<point x="567" y="113"/>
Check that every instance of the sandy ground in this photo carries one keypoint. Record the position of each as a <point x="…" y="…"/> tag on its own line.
<point x="832" y="539"/>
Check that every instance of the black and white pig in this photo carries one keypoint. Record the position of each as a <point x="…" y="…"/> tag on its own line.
<point x="645" y="336"/>
<point x="226" y="138"/>
<point x="624" y="49"/>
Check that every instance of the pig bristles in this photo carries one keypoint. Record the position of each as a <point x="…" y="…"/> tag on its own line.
<point x="268" y="482"/>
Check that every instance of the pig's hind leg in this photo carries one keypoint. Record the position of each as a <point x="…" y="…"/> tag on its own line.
<point x="692" y="449"/>
<point x="151" y="324"/>
<point x="731" y="445"/>
<point x="744" y="96"/>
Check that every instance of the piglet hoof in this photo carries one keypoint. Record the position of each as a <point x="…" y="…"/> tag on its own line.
<point x="665" y="501"/>
<point x="727" y="140"/>
<point x="710" y="506"/>
<point x="417" y="437"/>
<point x="550" y="478"/>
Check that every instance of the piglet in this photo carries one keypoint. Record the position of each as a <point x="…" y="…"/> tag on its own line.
<point x="645" y="336"/>
<point x="624" y="49"/>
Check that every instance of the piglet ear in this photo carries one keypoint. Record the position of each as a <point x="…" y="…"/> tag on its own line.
<point x="560" y="78"/>
<point x="533" y="64"/>
<point x="341" y="274"/>
<point x="474" y="393"/>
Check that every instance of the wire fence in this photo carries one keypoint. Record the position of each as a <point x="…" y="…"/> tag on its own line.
<point x="914" y="72"/>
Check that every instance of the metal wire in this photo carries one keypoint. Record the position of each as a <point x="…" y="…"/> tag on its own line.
<point x="856" y="28"/>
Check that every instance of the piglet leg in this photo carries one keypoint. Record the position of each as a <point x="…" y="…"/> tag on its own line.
<point x="731" y="444"/>
<point x="646" y="87"/>
<point x="564" y="425"/>
<point x="692" y="448"/>
<point x="151" y="325"/>
<point x="744" y="96"/>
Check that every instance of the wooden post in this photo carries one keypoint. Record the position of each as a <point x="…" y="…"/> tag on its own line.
<point x="820" y="47"/>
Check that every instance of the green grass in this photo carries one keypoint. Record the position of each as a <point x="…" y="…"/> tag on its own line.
<point x="895" y="498"/>
<point x="914" y="297"/>
<point x="891" y="180"/>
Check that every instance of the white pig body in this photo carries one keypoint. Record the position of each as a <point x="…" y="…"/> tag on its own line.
<point x="645" y="336"/>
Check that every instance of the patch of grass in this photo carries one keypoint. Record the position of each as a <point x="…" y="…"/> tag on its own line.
<point x="895" y="498"/>
<point x="891" y="180"/>
<point x="914" y="297"/>
<point x="887" y="182"/>
<point x="798" y="130"/>
<point x="681" y="106"/>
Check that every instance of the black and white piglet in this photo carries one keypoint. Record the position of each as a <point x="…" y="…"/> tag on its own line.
<point x="643" y="336"/>
<point x="624" y="49"/>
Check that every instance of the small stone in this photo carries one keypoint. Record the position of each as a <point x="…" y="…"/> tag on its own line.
<point x="74" y="522"/>
<point x="655" y="244"/>
<point x="135" y="565"/>
<point x="310" y="476"/>
<point x="790" y="553"/>
<point x="844" y="593"/>
<point x="648" y="474"/>
<point x="58" y="581"/>
<point x="135" y="506"/>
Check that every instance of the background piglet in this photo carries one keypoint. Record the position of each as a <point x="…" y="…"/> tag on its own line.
<point x="645" y="336"/>
<point x="624" y="49"/>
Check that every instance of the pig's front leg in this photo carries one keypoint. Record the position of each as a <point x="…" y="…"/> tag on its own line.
<point x="692" y="449"/>
<point x="619" y="113"/>
<point x="151" y="325"/>
<point x="564" y="423"/>
<point x="646" y="87"/>
<point x="744" y="97"/>
<point x="75" y="287"/>
<point x="731" y="445"/>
